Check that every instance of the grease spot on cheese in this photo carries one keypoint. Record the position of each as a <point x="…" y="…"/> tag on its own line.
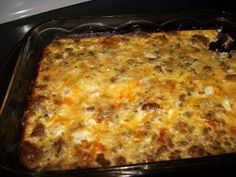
<point x="57" y="130"/>
<point x="209" y="90"/>
<point x="226" y="104"/>
<point x="149" y="55"/>
<point x="66" y="91"/>
<point x="81" y="135"/>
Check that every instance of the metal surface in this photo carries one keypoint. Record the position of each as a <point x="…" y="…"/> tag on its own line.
<point x="16" y="9"/>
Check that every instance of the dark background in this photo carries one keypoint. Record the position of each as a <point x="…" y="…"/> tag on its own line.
<point x="12" y="32"/>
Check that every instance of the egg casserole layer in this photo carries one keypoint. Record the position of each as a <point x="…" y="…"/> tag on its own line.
<point x="113" y="100"/>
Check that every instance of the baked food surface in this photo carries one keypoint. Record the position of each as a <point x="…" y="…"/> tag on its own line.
<point x="113" y="100"/>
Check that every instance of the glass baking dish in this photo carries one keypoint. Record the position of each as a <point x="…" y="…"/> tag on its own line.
<point x="28" y="53"/>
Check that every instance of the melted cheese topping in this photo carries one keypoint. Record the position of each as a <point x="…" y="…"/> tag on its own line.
<point x="127" y="99"/>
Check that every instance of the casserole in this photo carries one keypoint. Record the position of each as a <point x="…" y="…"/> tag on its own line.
<point x="40" y="37"/>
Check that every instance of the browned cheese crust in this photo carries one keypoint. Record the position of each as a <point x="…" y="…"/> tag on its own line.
<point x="128" y="99"/>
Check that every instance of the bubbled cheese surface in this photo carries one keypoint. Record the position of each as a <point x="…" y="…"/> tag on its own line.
<point x="127" y="99"/>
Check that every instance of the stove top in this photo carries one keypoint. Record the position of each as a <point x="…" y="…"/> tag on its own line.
<point x="16" y="9"/>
